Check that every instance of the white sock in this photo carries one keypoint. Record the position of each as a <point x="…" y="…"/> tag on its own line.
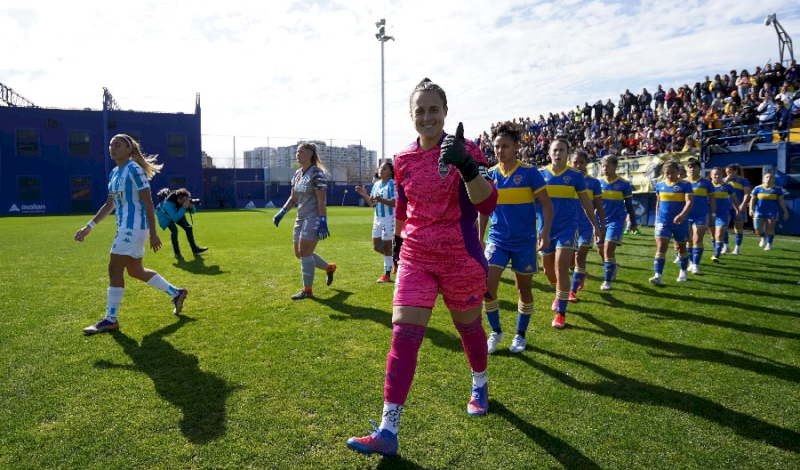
<point x="391" y="417"/>
<point x="114" y="298"/>
<point x="387" y="263"/>
<point x="479" y="378"/>
<point x="161" y="284"/>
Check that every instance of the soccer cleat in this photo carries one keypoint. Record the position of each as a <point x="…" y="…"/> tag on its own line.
<point x="199" y="249"/>
<point x="518" y="344"/>
<point x="625" y="232"/>
<point x="682" y="277"/>
<point x="329" y="271"/>
<point x="554" y="307"/>
<point x="677" y="260"/>
<point x="735" y="251"/>
<point x="178" y="299"/>
<point x="572" y="297"/>
<point x="178" y="256"/>
<point x="714" y="259"/>
<point x="559" y="321"/>
<point x="303" y="294"/>
<point x="637" y="232"/>
<point x="606" y="285"/>
<point x="384" y="278"/>
<point x="479" y="401"/>
<point x="100" y="326"/>
<point x="762" y="242"/>
<point x="381" y="441"/>
<point x="491" y="343"/>
<point x="694" y="269"/>
<point x="726" y="248"/>
<point x="656" y="280"/>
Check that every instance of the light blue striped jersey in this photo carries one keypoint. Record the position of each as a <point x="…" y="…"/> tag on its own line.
<point x="386" y="191"/>
<point x="124" y="185"/>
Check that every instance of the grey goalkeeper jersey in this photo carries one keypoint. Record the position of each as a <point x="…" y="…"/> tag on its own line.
<point x="305" y="186"/>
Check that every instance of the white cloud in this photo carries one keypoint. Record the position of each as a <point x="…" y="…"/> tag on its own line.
<point x="312" y="68"/>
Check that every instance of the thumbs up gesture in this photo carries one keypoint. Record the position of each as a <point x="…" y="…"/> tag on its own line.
<point x="454" y="153"/>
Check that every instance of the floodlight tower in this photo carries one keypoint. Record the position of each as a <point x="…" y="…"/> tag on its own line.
<point x="382" y="37"/>
<point x="784" y="41"/>
<point x="109" y="104"/>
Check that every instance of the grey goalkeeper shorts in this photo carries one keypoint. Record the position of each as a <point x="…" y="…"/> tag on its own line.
<point x="306" y="229"/>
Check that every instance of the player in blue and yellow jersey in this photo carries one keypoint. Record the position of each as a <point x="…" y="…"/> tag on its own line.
<point x="617" y="203"/>
<point x="674" y="199"/>
<point x="742" y="188"/>
<point x="701" y="208"/>
<point x="726" y="201"/>
<point x="382" y="198"/>
<point x="767" y="199"/>
<point x="578" y="161"/>
<point x="563" y="185"/>
<point x="512" y="234"/>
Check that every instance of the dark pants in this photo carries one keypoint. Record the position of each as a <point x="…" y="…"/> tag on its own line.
<point x="187" y="227"/>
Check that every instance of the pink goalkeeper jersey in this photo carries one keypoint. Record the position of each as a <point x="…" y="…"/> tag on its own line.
<point x="440" y="222"/>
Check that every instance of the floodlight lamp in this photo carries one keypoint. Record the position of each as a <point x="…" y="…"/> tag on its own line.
<point x="769" y="19"/>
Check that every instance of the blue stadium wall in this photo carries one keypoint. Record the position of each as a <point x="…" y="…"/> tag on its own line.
<point x="72" y="177"/>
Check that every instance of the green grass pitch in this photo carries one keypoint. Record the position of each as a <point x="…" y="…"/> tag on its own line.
<point x="700" y="375"/>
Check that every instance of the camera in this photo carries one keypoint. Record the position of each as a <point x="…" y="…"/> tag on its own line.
<point x="194" y="201"/>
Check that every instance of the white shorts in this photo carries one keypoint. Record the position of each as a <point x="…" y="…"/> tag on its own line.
<point x="130" y="242"/>
<point x="383" y="228"/>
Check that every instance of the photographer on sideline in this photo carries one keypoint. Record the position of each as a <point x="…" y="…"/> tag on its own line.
<point x="172" y="212"/>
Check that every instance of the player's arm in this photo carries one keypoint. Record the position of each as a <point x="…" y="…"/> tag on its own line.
<point x="783" y="206"/>
<point x="481" y="191"/>
<point x="586" y="204"/>
<point x="598" y="209"/>
<point x="689" y="197"/>
<point x="150" y="212"/>
<point x="631" y="212"/>
<point x="104" y="211"/>
<point x="322" y="196"/>
<point x="547" y="219"/>
<point x="735" y="201"/>
<point x="746" y="198"/>
<point x="752" y="204"/>
<point x="483" y="221"/>
<point x="363" y="193"/>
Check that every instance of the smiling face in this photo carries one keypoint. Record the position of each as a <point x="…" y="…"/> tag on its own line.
<point x="428" y="113"/>
<point x="119" y="150"/>
<point x="505" y="149"/>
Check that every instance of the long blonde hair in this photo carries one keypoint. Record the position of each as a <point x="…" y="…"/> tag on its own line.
<point x="147" y="162"/>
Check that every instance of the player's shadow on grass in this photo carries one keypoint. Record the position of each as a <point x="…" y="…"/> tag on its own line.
<point x="664" y="313"/>
<point x="631" y="390"/>
<point x="397" y="463"/>
<point x="198" y="266"/>
<point x="738" y="290"/>
<point x="384" y="317"/>
<point x="567" y="456"/>
<point x="679" y="351"/>
<point x="177" y="377"/>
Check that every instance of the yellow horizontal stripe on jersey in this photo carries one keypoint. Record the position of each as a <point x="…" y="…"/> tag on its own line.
<point x="589" y="193"/>
<point x="700" y="191"/>
<point x="561" y="191"/>
<point x="721" y="194"/>
<point x="515" y="195"/>
<point x="736" y="185"/>
<point x="767" y="196"/>
<point x="671" y="196"/>
<point x="613" y="195"/>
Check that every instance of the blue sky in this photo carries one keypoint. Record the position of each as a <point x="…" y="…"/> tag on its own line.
<point x="311" y="69"/>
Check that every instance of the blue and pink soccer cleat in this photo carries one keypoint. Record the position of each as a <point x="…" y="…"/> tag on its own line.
<point x="381" y="441"/>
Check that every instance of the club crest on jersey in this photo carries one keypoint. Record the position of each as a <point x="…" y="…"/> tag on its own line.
<point x="616" y="187"/>
<point x="517" y="179"/>
<point x="444" y="170"/>
<point x="567" y="179"/>
<point x="676" y="188"/>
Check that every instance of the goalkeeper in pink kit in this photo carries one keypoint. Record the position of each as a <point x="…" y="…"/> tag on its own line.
<point x="442" y="185"/>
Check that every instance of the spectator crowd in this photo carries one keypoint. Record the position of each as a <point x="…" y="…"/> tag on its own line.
<point x="733" y="109"/>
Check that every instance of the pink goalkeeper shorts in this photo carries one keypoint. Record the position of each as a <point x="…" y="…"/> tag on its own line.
<point x="461" y="281"/>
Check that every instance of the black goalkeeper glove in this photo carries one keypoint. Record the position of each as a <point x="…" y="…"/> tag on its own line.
<point x="398" y="243"/>
<point x="455" y="153"/>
